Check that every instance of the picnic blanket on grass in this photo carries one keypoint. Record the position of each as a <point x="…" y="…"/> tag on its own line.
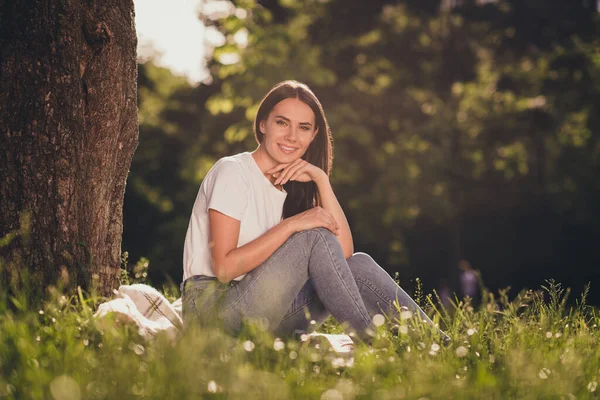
<point x="144" y="306"/>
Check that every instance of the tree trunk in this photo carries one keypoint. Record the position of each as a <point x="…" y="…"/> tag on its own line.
<point x="68" y="124"/>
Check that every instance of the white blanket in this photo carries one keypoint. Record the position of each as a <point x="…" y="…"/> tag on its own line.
<point x="151" y="312"/>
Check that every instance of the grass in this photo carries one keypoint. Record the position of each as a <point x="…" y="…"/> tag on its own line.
<point x="532" y="346"/>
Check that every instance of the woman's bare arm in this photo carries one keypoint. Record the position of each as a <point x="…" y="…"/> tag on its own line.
<point x="330" y="203"/>
<point x="230" y="261"/>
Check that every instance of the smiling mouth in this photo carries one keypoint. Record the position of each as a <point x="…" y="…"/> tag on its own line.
<point x="286" y="149"/>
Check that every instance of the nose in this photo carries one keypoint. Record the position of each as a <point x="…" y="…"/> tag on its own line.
<point x="292" y="133"/>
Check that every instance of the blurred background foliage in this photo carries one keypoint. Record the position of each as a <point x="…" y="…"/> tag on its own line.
<point x="462" y="130"/>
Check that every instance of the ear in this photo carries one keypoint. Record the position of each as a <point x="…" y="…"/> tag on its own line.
<point x="261" y="126"/>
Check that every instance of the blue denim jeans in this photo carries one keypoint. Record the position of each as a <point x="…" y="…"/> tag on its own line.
<point x="297" y="288"/>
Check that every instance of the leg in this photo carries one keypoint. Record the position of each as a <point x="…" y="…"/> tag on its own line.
<point x="267" y="291"/>
<point x="379" y="290"/>
<point x="306" y="307"/>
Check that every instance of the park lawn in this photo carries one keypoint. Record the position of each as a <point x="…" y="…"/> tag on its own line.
<point x="532" y="346"/>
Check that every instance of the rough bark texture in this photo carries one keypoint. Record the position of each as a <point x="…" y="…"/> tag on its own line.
<point x="68" y="131"/>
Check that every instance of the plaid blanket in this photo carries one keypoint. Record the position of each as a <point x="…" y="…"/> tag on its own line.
<point x="151" y="312"/>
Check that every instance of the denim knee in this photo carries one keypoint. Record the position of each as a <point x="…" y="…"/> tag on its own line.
<point x="360" y="261"/>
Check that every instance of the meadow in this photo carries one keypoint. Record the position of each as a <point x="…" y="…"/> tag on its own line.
<point x="531" y="346"/>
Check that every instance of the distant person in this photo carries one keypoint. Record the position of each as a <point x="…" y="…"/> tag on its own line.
<point x="469" y="280"/>
<point x="444" y="294"/>
<point x="267" y="239"/>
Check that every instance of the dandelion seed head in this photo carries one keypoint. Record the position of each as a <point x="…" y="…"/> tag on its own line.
<point x="41" y="312"/>
<point x="471" y="331"/>
<point x="548" y="334"/>
<point x="212" y="387"/>
<point x="248" y="345"/>
<point x="37" y="338"/>
<point x="332" y="394"/>
<point x="403" y="329"/>
<point x="65" y="388"/>
<point x="378" y="319"/>
<point x="405" y="315"/>
<point x="557" y="335"/>
<point x="435" y="347"/>
<point x="304" y="337"/>
<point x="86" y="342"/>
<point x="293" y="355"/>
<point x="278" y="344"/>
<point x="316" y="369"/>
<point x="391" y="359"/>
<point x="592" y="386"/>
<point x="313" y="322"/>
<point x="461" y="351"/>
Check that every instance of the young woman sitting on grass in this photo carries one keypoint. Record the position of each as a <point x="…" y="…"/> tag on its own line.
<point x="268" y="240"/>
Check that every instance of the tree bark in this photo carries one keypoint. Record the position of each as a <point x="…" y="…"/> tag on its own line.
<point x="68" y="131"/>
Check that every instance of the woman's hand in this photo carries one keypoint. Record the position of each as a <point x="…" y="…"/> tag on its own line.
<point x="316" y="217"/>
<point x="299" y="170"/>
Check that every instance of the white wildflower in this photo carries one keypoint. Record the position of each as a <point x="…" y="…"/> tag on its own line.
<point x="461" y="351"/>
<point x="378" y="319"/>
<point x="248" y="345"/>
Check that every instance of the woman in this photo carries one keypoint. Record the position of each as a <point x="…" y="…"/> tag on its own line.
<point x="268" y="240"/>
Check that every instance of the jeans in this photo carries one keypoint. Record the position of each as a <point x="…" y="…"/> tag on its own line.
<point x="297" y="288"/>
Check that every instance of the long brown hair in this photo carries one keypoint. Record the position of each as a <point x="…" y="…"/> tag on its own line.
<point x="301" y="195"/>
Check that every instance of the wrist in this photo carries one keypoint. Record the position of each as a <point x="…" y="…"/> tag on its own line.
<point x="289" y="226"/>
<point x="322" y="179"/>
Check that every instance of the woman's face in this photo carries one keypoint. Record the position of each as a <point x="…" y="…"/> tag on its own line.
<point x="288" y="130"/>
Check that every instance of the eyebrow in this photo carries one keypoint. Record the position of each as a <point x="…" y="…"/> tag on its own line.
<point x="288" y="120"/>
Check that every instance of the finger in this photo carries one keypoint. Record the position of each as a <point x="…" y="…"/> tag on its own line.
<point x="294" y="172"/>
<point x="286" y="172"/>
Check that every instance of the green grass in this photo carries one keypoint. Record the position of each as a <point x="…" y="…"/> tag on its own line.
<point x="532" y="346"/>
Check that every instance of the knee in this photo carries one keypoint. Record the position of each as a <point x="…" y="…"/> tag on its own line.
<point x="323" y="237"/>
<point x="360" y="261"/>
<point x="362" y="258"/>
<point x="321" y="232"/>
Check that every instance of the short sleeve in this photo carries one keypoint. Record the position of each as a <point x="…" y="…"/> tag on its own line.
<point x="227" y="191"/>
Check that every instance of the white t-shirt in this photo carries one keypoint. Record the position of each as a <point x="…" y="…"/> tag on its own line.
<point x="234" y="186"/>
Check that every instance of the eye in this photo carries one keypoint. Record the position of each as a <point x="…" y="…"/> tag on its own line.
<point x="280" y="122"/>
<point x="305" y="128"/>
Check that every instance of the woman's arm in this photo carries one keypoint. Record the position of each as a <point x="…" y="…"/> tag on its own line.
<point x="330" y="203"/>
<point x="230" y="261"/>
<point x="303" y="171"/>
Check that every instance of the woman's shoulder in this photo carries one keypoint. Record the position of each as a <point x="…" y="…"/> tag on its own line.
<point x="228" y="166"/>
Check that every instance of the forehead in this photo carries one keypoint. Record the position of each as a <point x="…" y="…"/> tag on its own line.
<point x="294" y="110"/>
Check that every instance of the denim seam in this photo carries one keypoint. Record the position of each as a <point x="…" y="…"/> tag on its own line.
<point x="367" y="284"/>
<point x="300" y="308"/>
<point x="368" y="320"/>
<point x="287" y="243"/>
